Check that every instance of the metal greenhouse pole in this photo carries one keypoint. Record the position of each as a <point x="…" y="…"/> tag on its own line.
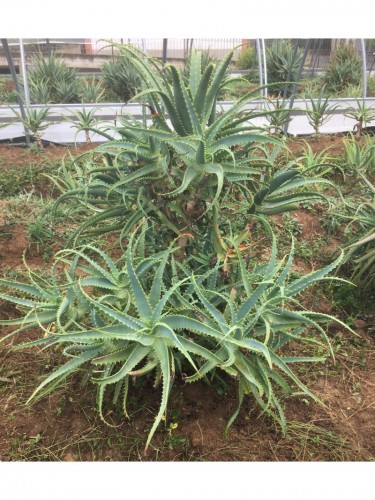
<point x="48" y="47"/>
<point x="264" y="66"/>
<point x="260" y="70"/>
<point x="299" y="73"/>
<point x="290" y="70"/>
<point x="364" y="67"/>
<point x="165" y="45"/>
<point x="305" y="52"/>
<point x="9" y="59"/>
<point x="316" y="57"/>
<point x="24" y="75"/>
<point x="312" y="52"/>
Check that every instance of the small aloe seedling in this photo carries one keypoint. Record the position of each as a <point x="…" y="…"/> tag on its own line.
<point x="319" y="161"/>
<point x="362" y="114"/>
<point x="359" y="158"/>
<point x="84" y="120"/>
<point x="278" y="115"/>
<point x="35" y="122"/>
<point x="361" y="251"/>
<point x="317" y="112"/>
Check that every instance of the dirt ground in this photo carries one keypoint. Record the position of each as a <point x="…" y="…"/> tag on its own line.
<point x="65" y="426"/>
<point x="13" y="156"/>
<point x="318" y="144"/>
<point x="17" y="156"/>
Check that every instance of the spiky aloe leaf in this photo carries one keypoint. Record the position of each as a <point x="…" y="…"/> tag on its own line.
<point x="59" y="375"/>
<point x="201" y="93"/>
<point x="216" y="81"/>
<point x="164" y="361"/>
<point x="184" y="106"/>
<point x="141" y="300"/>
<point x="300" y="284"/>
<point x="33" y="290"/>
<point x="135" y="357"/>
<point x="195" y="72"/>
<point x="118" y="356"/>
<point x="191" y="173"/>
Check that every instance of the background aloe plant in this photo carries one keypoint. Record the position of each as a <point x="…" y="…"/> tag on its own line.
<point x="120" y="78"/>
<point x="359" y="157"/>
<point x="344" y="69"/>
<point x="281" y="64"/>
<point x="84" y="121"/>
<point x="50" y="79"/>
<point x="92" y="91"/>
<point x="279" y="115"/>
<point x="360" y="252"/>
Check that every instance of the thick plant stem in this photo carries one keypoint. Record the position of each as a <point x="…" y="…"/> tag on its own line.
<point x="38" y="141"/>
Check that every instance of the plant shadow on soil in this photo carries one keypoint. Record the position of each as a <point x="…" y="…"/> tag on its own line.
<point x="66" y="427"/>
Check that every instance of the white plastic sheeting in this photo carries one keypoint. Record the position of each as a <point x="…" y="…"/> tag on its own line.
<point x="61" y="131"/>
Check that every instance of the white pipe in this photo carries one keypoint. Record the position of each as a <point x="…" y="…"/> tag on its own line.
<point x="264" y="66"/>
<point x="24" y="75"/>
<point x="260" y="66"/>
<point x="364" y="67"/>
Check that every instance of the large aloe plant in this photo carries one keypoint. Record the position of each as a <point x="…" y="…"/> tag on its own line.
<point x="121" y="321"/>
<point x="188" y="160"/>
<point x="183" y="296"/>
<point x="147" y="314"/>
<point x="184" y="117"/>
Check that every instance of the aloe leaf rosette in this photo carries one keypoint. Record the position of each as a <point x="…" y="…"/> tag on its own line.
<point x="124" y="329"/>
<point x="137" y="316"/>
<point x="186" y="153"/>
<point x="256" y="318"/>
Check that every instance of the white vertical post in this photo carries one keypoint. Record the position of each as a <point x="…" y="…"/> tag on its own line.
<point x="24" y="75"/>
<point x="364" y="67"/>
<point x="165" y="47"/>
<point x="264" y="66"/>
<point x="260" y="66"/>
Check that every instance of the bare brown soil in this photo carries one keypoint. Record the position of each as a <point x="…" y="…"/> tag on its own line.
<point x="12" y="247"/>
<point x="318" y="144"/>
<point x="12" y="156"/>
<point x="65" y="426"/>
